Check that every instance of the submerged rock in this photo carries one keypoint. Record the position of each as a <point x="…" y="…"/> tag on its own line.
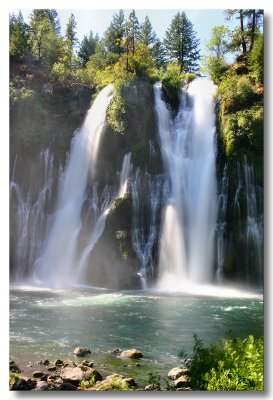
<point x="81" y="351"/>
<point x="41" y="386"/>
<point x="59" y="363"/>
<point x="133" y="353"/>
<point x="87" y="363"/>
<point x="38" y="374"/>
<point x="177" y="372"/>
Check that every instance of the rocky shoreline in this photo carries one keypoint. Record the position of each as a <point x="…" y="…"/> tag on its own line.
<point x="70" y="375"/>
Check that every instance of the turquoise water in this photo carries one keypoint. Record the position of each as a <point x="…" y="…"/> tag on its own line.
<point x="50" y="324"/>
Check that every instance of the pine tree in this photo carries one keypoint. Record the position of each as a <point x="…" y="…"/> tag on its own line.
<point x="19" y="35"/>
<point x="244" y="36"/>
<point x="181" y="43"/>
<point x="132" y="32"/>
<point x="158" y="52"/>
<point x="43" y="37"/>
<point x="146" y="34"/>
<point x="88" y="47"/>
<point x="70" y="32"/>
<point x="114" y="35"/>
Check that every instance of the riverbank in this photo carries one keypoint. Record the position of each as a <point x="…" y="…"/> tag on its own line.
<point x="85" y="374"/>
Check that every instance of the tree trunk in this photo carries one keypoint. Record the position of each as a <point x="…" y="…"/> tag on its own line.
<point x="243" y="42"/>
<point x="253" y="29"/>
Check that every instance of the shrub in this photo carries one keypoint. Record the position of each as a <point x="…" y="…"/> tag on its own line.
<point x="229" y="364"/>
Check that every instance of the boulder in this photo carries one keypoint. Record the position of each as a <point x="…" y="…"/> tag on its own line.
<point x="67" y="386"/>
<point x="181" y="381"/>
<point x="72" y="375"/>
<point x="38" y="374"/>
<point x="20" y="384"/>
<point x="175" y="373"/>
<point x="152" y="386"/>
<point x="69" y="363"/>
<point x="59" y="363"/>
<point x="54" y="379"/>
<point x="133" y="353"/>
<point x="41" y="386"/>
<point x="14" y="368"/>
<point x="130" y="382"/>
<point x="87" y="363"/>
<point x="81" y="351"/>
<point x="115" y="351"/>
<point x="31" y="383"/>
<point x="52" y="368"/>
<point x="91" y="373"/>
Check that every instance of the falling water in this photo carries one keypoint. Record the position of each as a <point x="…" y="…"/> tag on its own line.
<point x="57" y="264"/>
<point x="98" y="229"/>
<point x="189" y="216"/>
<point x="146" y="202"/>
<point x="29" y="210"/>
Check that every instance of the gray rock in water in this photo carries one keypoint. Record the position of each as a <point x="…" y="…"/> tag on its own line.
<point x="175" y="373"/>
<point x="52" y="368"/>
<point x="41" y="386"/>
<point x="133" y="353"/>
<point x="59" y="363"/>
<point x="38" y="374"/>
<point x="87" y="363"/>
<point x="115" y="351"/>
<point x="72" y="375"/>
<point x="81" y="351"/>
<point x="69" y="363"/>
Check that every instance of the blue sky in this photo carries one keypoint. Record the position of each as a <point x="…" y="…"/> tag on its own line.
<point x="98" y="20"/>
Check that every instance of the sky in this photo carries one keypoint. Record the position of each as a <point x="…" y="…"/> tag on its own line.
<point x="99" y="20"/>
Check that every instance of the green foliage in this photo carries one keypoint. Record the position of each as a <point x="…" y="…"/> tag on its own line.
<point x="70" y="32"/>
<point x="181" y="43"/>
<point x="87" y="47"/>
<point x="229" y="364"/>
<point x="116" y="113"/>
<point x="146" y="34"/>
<point x="243" y="131"/>
<point x="13" y="378"/>
<point x="115" y="34"/>
<point x="172" y="81"/>
<point x="256" y="60"/>
<point x="214" y="63"/>
<point x="88" y="383"/>
<point x="19" y="37"/>
<point x="236" y="93"/>
<point x="115" y="383"/>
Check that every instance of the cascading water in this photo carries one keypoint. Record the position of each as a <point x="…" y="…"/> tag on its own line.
<point x="57" y="264"/>
<point x="146" y="201"/>
<point x="189" y="216"/>
<point x="29" y="210"/>
<point x="100" y="223"/>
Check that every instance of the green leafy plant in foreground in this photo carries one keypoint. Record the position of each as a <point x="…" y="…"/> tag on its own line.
<point x="226" y="365"/>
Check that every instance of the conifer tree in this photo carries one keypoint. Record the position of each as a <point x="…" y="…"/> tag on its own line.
<point x="146" y="33"/>
<point x="181" y="43"/>
<point x="19" y="35"/>
<point x="70" y="32"/>
<point x="115" y="34"/>
<point x="88" y="47"/>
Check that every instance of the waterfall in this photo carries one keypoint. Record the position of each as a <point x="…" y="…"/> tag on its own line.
<point x="29" y="210"/>
<point x="189" y="216"/>
<point x="98" y="229"/>
<point x="56" y="266"/>
<point x="146" y="202"/>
